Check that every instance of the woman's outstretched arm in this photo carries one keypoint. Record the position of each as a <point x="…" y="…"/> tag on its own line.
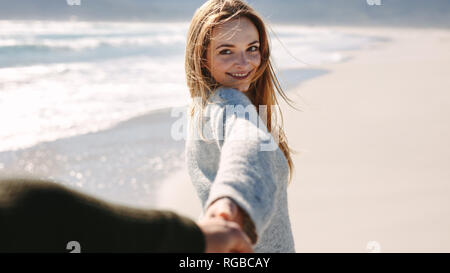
<point x="247" y="170"/>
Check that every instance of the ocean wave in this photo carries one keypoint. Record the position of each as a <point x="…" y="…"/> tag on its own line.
<point x="63" y="79"/>
<point x="82" y="43"/>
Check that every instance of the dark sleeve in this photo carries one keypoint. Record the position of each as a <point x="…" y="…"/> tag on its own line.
<point x="38" y="216"/>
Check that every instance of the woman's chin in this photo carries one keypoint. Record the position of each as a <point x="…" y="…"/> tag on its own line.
<point x="242" y="88"/>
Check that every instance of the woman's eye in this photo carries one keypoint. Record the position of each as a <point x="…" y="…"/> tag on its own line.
<point x="228" y="52"/>
<point x="225" y="52"/>
<point x="253" y="48"/>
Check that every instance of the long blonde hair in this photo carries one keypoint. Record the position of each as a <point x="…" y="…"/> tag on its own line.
<point x="199" y="80"/>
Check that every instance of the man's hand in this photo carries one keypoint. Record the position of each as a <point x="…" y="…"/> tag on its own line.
<point x="224" y="236"/>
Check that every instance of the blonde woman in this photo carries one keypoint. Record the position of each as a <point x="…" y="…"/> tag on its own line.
<point x="236" y="173"/>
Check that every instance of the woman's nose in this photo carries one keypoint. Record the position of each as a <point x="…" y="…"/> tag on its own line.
<point x="242" y="59"/>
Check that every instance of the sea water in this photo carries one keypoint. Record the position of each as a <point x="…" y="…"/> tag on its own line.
<point x="64" y="83"/>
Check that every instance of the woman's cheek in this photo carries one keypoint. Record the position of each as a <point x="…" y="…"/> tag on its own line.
<point x="226" y="62"/>
<point x="255" y="59"/>
<point x="221" y="63"/>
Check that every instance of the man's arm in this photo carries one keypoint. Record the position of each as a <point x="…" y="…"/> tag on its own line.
<point x="39" y="216"/>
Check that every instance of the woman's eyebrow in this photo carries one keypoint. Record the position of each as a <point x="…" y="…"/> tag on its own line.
<point x="229" y="45"/>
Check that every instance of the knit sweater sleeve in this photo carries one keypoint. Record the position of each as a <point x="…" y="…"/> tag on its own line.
<point x="246" y="172"/>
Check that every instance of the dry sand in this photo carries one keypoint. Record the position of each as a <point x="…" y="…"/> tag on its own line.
<point x="374" y="143"/>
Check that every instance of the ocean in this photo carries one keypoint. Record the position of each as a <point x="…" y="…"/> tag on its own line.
<point x="73" y="97"/>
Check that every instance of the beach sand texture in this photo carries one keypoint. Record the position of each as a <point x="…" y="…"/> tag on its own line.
<point x="373" y="168"/>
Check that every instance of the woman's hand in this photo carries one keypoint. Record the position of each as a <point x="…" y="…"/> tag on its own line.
<point x="226" y="209"/>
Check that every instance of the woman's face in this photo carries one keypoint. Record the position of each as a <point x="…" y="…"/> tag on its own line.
<point x="233" y="54"/>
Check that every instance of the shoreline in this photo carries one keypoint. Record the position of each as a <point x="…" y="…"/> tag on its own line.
<point x="291" y="79"/>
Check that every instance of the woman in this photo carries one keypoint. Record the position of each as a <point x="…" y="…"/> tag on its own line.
<point x="238" y="175"/>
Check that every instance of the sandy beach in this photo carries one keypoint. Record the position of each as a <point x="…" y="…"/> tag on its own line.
<point x="372" y="169"/>
<point x="372" y="172"/>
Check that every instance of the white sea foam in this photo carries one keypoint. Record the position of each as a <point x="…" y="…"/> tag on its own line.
<point x="60" y="79"/>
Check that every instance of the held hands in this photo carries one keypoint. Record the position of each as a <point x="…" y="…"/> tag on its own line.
<point x="226" y="209"/>
<point x="224" y="236"/>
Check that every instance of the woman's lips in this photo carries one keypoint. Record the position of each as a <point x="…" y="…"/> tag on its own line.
<point x="239" y="76"/>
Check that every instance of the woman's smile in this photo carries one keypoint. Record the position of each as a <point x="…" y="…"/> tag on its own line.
<point x="240" y="76"/>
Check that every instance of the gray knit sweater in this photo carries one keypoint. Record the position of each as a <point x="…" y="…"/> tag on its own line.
<point x="241" y="161"/>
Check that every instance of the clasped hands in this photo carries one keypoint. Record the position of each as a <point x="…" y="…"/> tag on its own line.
<point x="227" y="228"/>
